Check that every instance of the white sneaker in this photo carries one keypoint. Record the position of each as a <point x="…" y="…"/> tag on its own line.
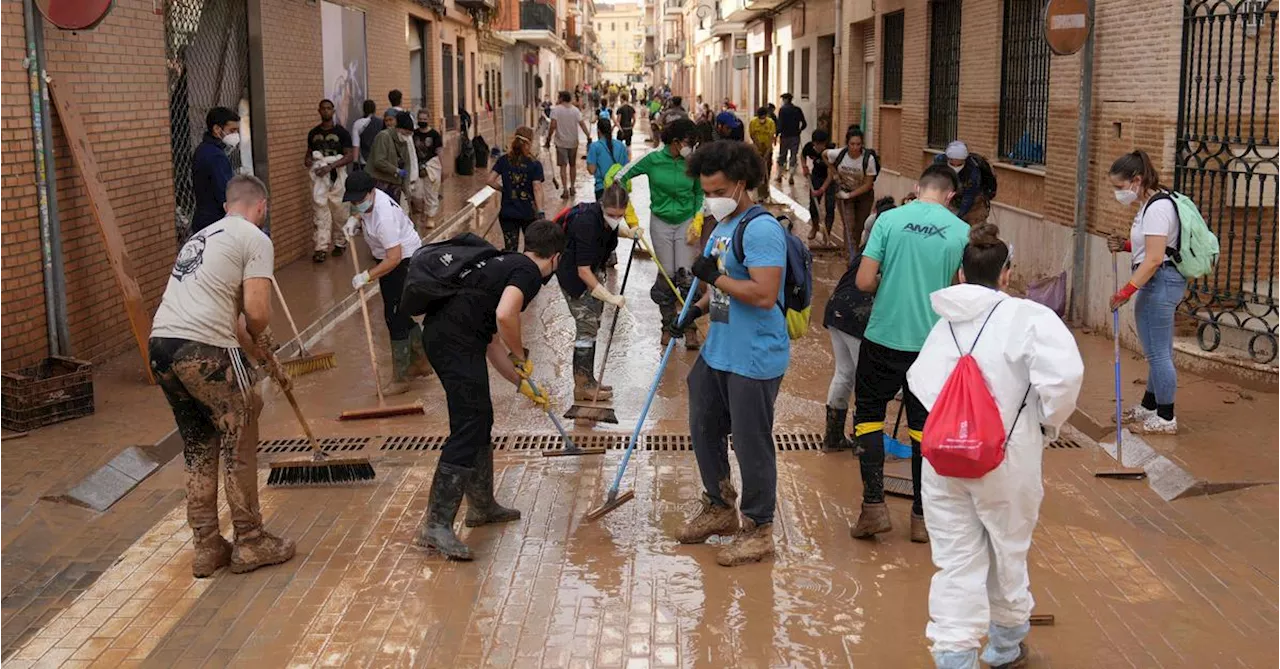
<point x="1154" y="424"/>
<point x="1138" y="414"/>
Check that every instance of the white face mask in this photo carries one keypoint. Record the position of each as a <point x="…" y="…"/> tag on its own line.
<point x="232" y="140"/>
<point x="613" y="221"/>
<point x="955" y="168"/>
<point x="1126" y="197"/>
<point x="686" y="151"/>
<point x="720" y="208"/>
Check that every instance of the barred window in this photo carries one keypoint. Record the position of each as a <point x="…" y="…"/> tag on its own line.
<point x="804" y="74"/>
<point x="891" y="83"/>
<point x="1024" y="84"/>
<point x="450" y="109"/>
<point x="944" y="71"/>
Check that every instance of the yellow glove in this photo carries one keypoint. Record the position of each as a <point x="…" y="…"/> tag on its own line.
<point x="524" y="366"/>
<point x="633" y="221"/>
<point x="695" y="230"/>
<point x="537" y="396"/>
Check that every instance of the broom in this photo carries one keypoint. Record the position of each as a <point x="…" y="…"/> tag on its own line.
<point x="305" y="363"/>
<point x="383" y="410"/>
<point x="1121" y="472"/>
<point x="605" y="414"/>
<point x="320" y="467"/>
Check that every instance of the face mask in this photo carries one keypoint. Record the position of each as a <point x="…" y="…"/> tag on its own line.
<point x="613" y="221"/>
<point x="720" y="208"/>
<point x="363" y="207"/>
<point x="1126" y="197"/>
<point x="423" y="124"/>
<point x="955" y="168"/>
<point x="686" y="151"/>
<point x="231" y="140"/>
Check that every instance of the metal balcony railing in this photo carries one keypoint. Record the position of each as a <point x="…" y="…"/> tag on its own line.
<point x="537" y="16"/>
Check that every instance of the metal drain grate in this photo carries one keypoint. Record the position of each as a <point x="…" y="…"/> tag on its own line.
<point x="1065" y="443"/>
<point x="553" y="442"/>
<point x="329" y="444"/>
<point x="667" y="442"/>
<point x="798" y="441"/>
<point x="431" y="442"/>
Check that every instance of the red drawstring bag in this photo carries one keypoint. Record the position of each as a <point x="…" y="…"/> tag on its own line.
<point x="964" y="435"/>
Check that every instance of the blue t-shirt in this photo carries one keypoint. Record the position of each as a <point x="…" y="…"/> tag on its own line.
<point x="603" y="158"/>
<point x="746" y="340"/>
<point x="517" y="187"/>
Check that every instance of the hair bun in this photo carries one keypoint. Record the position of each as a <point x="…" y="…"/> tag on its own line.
<point x="984" y="235"/>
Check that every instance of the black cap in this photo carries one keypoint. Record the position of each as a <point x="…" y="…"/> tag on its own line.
<point x="787" y="96"/>
<point x="358" y="185"/>
<point x="404" y="121"/>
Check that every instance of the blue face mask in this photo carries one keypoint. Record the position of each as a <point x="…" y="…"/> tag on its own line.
<point x="363" y="207"/>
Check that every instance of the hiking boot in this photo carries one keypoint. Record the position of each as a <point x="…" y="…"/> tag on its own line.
<point x="1138" y="414"/>
<point x="338" y="251"/>
<point x="1024" y="656"/>
<point x="319" y="256"/>
<point x="753" y="543"/>
<point x="712" y="519"/>
<point x="919" y="530"/>
<point x="834" y="439"/>
<point x="692" y="340"/>
<point x="401" y="355"/>
<point x="482" y="508"/>
<point x="873" y="520"/>
<point x="447" y="488"/>
<point x="585" y="386"/>
<point x="1154" y="424"/>
<point x="211" y="554"/>
<point x="260" y="548"/>
<point x="813" y="232"/>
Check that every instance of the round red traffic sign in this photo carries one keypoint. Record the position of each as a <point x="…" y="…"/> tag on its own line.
<point x="74" y="14"/>
<point x="1066" y="25"/>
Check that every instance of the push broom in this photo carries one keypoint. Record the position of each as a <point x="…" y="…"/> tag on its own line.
<point x="613" y="499"/>
<point x="604" y="414"/>
<point x="1122" y="472"/>
<point x="305" y="363"/>
<point x="320" y="467"/>
<point x="383" y="411"/>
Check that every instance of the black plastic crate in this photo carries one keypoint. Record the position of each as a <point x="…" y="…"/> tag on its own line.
<point x="57" y="389"/>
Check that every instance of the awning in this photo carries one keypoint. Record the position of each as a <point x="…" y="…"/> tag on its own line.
<point x="540" y="38"/>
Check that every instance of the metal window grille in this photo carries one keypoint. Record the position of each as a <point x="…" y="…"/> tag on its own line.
<point x="944" y="71"/>
<point x="1024" y="84"/>
<point x="449" y="105"/>
<point x="891" y="59"/>
<point x="791" y="71"/>
<point x="804" y="74"/>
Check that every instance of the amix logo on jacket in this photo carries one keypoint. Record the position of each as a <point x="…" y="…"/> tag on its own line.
<point x="926" y="230"/>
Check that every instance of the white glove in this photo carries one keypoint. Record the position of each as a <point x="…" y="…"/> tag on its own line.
<point x="352" y="227"/>
<point x="358" y="281"/>
<point x="628" y="232"/>
<point x="601" y="293"/>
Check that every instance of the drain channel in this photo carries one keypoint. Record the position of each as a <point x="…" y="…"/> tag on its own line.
<point x="329" y="445"/>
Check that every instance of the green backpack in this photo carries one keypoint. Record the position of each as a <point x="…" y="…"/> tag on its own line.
<point x="1197" y="250"/>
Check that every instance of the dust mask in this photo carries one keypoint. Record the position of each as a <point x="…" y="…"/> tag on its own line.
<point x="720" y="208"/>
<point x="363" y="207"/>
<point x="686" y="151"/>
<point x="955" y="168"/>
<point x="613" y="221"/>
<point x="232" y="140"/>
<point x="1126" y="197"/>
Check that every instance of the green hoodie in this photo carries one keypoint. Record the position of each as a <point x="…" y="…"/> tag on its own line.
<point x="674" y="197"/>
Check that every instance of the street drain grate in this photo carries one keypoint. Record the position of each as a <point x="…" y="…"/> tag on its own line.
<point x="553" y="442"/>
<point x="798" y="441"/>
<point x="431" y="442"/>
<point x="1064" y="443"/>
<point x="299" y="445"/>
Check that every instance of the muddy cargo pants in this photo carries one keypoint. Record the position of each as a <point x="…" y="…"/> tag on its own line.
<point x="210" y="390"/>
<point x="328" y="210"/>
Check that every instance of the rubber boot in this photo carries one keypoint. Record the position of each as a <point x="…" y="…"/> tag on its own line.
<point x="712" y="519"/>
<point x="482" y="508"/>
<point x="834" y="439"/>
<point x="401" y="354"/>
<point x="212" y="552"/>
<point x="418" y="364"/>
<point x="585" y="387"/>
<point x="447" y="489"/>
<point x="919" y="530"/>
<point x="873" y="520"/>
<point x="259" y="548"/>
<point x="753" y="543"/>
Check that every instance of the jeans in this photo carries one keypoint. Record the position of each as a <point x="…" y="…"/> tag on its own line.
<point x="788" y="151"/>
<point x="391" y="286"/>
<point x="845" y="347"/>
<point x="828" y="204"/>
<point x="1153" y="308"/>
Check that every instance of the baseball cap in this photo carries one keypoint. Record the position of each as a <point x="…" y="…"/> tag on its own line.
<point x="728" y="118"/>
<point x="358" y="186"/>
<point x="957" y="150"/>
<point x="404" y="121"/>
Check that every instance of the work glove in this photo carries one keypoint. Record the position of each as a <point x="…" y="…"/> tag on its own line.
<point x="678" y="327"/>
<point x="523" y="365"/>
<point x="352" y="227"/>
<point x="601" y="293"/>
<point x="537" y="396"/>
<point x="633" y="221"/>
<point x="403" y="174"/>
<point x="1123" y="295"/>
<point x="707" y="269"/>
<point x="631" y="233"/>
<point x="1117" y="243"/>
<point x="695" y="230"/>
<point x="358" y="281"/>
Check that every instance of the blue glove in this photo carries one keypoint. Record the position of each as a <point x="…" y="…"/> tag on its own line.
<point x="404" y="174"/>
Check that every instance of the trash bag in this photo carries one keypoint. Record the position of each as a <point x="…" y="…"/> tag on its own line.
<point x="481" y="149"/>
<point x="1050" y="291"/>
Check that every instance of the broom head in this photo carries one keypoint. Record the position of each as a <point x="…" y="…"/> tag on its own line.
<point x="310" y="363"/>
<point x="614" y="501"/>
<point x="597" y="414"/>
<point x="382" y="412"/>
<point x="320" y="470"/>
<point x="572" y="450"/>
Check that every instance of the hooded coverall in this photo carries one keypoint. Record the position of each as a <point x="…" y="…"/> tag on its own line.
<point x="980" y="529"/>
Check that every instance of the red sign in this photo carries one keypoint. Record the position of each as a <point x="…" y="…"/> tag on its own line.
<point x="74" y="14"/>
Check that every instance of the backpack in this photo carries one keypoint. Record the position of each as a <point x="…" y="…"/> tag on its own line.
<point x="569" y="213"/>
<point x="1197" y="251"/>
<point x="867" y="155"/>
<point x="436" y="270"/>
<point x="986" y="175"/>
<point x="797" y="277"/>
<point x="367" y="137"/>
<point x="964" y="435"/>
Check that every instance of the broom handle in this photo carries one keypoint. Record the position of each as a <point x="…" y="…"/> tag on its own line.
<point x="368" y="331"/>
<point x="652" y="254"/>
<point x="564" y="436"/>
<point x="653" y="390"/>
<point x="302" y="350"/>
<point x="614" y="326"/>
<point x="302" y="420"/>
<point x="1115" y="327"/>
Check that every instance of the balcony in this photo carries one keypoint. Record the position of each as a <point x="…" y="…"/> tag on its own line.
<point x="477" y="4"/>
<point x="650" y="31"/>
<point x="537" y="16"/>
<point x="673" y="6"/>
<point x="673" y="50"/>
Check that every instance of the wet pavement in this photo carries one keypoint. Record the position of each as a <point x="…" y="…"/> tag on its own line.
<point x="1132" y="581"/>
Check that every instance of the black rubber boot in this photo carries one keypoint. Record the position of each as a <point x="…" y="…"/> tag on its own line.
<point x="871" y="462"/>
<point x="482" y="508"/>
<point x="835" y="440"/>
<point x="442" y="508"/>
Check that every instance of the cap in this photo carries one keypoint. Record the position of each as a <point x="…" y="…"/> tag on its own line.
<point x="728" y="118"/>
<point x="957" y="150"/>
<point x="358" y="185"/>
<point x="787" y="96"/>
<point x="404" y="121"/>
<point x="526" y="133"/>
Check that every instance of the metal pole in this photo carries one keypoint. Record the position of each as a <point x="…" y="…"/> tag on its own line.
<point x="837" y="100"/>
<point x="55" y="291"/>
<point x="1082" y="173"/>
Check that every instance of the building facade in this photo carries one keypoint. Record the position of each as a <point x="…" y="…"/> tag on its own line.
<point x="621" y="30"/>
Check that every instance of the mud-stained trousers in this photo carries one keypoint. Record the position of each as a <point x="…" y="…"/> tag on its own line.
<point x="210" y="390"/>
<point x="586" y="311"/>
<point x="881" y="372"/>
<point x="328" y="210"/>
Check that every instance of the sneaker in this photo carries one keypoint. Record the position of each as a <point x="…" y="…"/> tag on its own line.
<point x="1138" y="414"/>
<point x="711" y="520"/>
<point x="1154" y="424"/>
<point x="260" y="549"/>
<point x="338" y="251"/>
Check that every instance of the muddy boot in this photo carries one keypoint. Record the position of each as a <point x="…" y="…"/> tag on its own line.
<point x="259" y="548"/>
<point x="436" y="532"/>
<point x="873" y="520"/>
<point x="400" y="356"/>
<point x="752" y="544"/>
<point x="712" y="519"/>
<point x="212" y="552"/>
<point x="418" y="365"/>
<point x="692" y="340"/>
<point x="482" y="508"/>
<point x="585" y="387"/>
<point x="834" y="439"/>
<point x="919" y="530"/>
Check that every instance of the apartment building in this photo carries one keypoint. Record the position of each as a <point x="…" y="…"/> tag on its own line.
<point x="622" y="36"/>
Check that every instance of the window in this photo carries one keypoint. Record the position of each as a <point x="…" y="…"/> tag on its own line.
<point x="613" y="27"/>
<point x="626" y="27"/>
<point x="944" y="71"/>
<point x="791" y="71"/>
<point x="462" y="76"/>
<point x="804" y="74"/>
<point x="1024" y="84"/>
<point x="891" y="84"/>
<point x="448" y="104"/>
<point x="417" y="64"/>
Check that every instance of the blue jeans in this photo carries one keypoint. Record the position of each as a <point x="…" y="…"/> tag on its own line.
<point x="1153" y="307"/>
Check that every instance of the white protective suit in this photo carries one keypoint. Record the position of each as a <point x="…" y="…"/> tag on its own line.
<point x="980" y="529"/>
<point x="327" y="207"/>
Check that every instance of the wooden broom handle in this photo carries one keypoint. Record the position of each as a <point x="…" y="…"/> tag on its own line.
<point x="302" y="420"/>
<point x="302" y="350"/>
<point x="368" y="329"/>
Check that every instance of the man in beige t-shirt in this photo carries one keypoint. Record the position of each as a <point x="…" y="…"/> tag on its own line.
<point x="217" y="306"/>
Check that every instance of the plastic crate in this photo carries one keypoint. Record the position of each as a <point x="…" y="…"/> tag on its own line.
<point x="57" y="389"/>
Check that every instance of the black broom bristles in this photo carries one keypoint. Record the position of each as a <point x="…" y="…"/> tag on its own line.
<point x="320" y="472"/>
